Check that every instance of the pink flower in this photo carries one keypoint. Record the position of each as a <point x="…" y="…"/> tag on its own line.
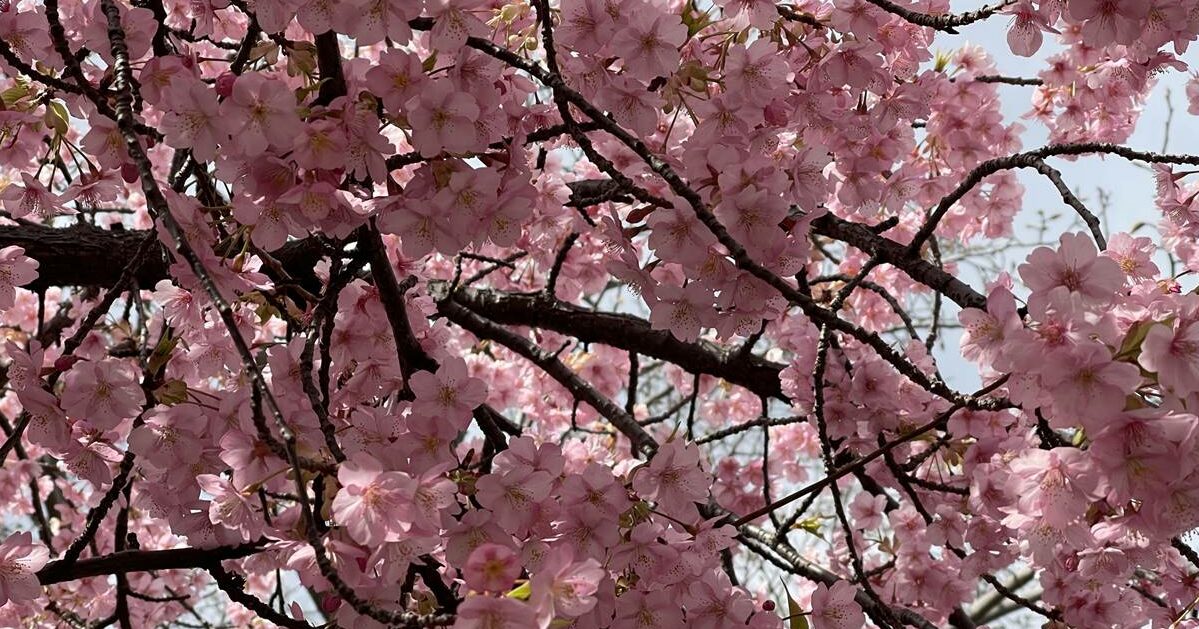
<point x="1055" y="484"/>
<point x="472" y="192"/>
<point x="856" y="64"/>
<point x="866" y="510"/>
<point x="676" y="235"/>
<point x="1076" y="266"/>
<point x="752" y="217"/>
<point x="424" y="227"/>
<point x="638" y="609"/>
<point x="321" y="145"/>
<point x="272" y="221"/>
<point x="31" y="197"/>
<point x="1172" y="351"/>
<point x="674" y="479"/>
<point x="455" y="21"/>
<point x="26" y="33"/>
<point x="396" y="79"/>
<point x="372" y="504"/>
<point x="486" y="612"/>
<point x="274" y="15"/>
<point x="48" y="425"/>
<point x="594" y="491"/>
<point x="986" y="331"/>
<point x="193" y="118"/>
<point x="451" y="393"/>
<point x="92" y="188"/>
<point x="760" y="13"/>
<point x="1133" y="254"/>
<point x="513" y="496"/>
<point x="15" y="270"/>
<point x="713" y="603"/>
<point x="370" y="21"/>
<point x="491" y="568"/>
<point x="230" y="507"/>
<point x="443" y="119"/>
<point x="586" y="25"/>
<point x="170" y="437"/>
<point x="1024" y="37"/>
<point x="261" y="112"/>
<point x="631" y="104"/>
<point x="563" y="587"/>
<point x="650" y="47"/>
<point x="103" y="393"/>
<point x="251" y="460"/>
<point x="756" y="73"/>
<point x="835" y="607"/>
<point x="1108" y="21"/>
<point x="139" y="24"/>
<point x="1086" y="384"/>
<point x="683" y="311"/>
<point x="429" y="495"/>
<point x="20" y="559"/>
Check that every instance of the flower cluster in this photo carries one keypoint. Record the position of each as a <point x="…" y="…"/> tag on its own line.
<point x="587" y="313"/>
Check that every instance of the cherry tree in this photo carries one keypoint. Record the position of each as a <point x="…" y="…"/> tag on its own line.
<point x="589" y="314"/>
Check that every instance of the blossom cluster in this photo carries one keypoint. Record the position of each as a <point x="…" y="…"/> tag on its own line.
<point x="592" y="313"/>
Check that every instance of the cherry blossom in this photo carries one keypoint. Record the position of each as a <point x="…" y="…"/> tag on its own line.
<point x="20" y="559"/>
<point x="596" y="313"/>
<point x="103" y="393"/>
<point x="16" y="269"/>
<point x="835" y="608"/>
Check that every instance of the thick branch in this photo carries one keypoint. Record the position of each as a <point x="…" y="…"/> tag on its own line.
<point x="84" y="255"/>
<point x="621" y="331"/>
<point x="143" y="561"/>
<point x="643" y="442"/>
<point x="947" y="22"/>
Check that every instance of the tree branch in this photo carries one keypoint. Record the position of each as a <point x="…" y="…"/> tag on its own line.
<point x="127" y="561"/>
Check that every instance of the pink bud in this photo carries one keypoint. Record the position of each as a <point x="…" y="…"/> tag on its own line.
<point x="768" y="606"/>
<point x="64" y="363"/>
<point x="129" y="173"/>
<point x="330" y="602"/>
<point x="224" y="84"/>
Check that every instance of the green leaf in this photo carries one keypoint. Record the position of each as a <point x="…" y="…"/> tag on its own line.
<point x="521" y="592"/>
<point x="162" y="353"/>
<point x="172" y="392"/>
<point x="811" y="525"/>
<point x="795" y="613"/>
<point x="431" y="62"/>
<point x="941" y="61"/>
<point x="1131" y="347"/>
<point x="14" y="94"/>
<point x="57" y="117"/>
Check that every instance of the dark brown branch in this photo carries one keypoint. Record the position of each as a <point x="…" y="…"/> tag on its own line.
<point x="85" y="255"/>
<point x="621" y="331"/>
<point x="233" y="585"/>
<point x="143" y="561"/>
<point x="1008" y="80"/>
<point x="1088" y="217"/>
<point x="328" y="59"/>
<point x="643" y="443"/>
<point x="948" y="22"/>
